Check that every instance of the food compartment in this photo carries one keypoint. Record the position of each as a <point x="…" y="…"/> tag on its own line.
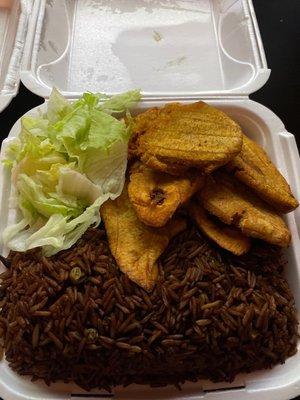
<point x="165" y="47"/>
<point x="264" y="127"/>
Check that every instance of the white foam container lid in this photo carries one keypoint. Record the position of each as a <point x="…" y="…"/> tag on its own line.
<point x="181" y="50"/>
<point x="13" y="28"/>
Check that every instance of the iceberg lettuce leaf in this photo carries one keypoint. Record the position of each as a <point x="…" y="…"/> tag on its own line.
<point x="65" y="164"/>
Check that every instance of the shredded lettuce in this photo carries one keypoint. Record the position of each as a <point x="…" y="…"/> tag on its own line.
<point x="121" y="103"/>
<point x="64" y="165"/>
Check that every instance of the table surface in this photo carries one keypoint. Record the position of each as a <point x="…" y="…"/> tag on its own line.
<point x="280" y="29"/>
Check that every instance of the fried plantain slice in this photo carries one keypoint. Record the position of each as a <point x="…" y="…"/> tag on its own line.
<point x="139" y="125"/>
<point x="155" y="196"/>
<point x="253" y="167"/>
<point x="135" y="246"/>
<point x="226" y="237"/>
<point x="168" y="168"/>
<point x="232" y="202"/>
<point x="194" y="135"/>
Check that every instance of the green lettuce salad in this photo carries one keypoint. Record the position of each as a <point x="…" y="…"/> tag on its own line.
<point x="64" y="165"/>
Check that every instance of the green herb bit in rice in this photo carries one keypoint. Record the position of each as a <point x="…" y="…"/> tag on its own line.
<point x="76" y="275"/>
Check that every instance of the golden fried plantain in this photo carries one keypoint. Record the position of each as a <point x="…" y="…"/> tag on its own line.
<point x="135" y="246"/>
<point x="177" y="137"/>
<point x="226" y="237"/>
<point x="139" y="125"/>
<point x="232" y="202"/>
<point x="253" y="167"/>
<point x="171" y="169"/>
<point x="155" y="196"/>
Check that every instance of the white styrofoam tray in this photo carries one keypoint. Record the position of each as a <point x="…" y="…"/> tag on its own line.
<point x="282" y="382"/>
<point x="173" y="50"/>
<point x="168" y="48"/>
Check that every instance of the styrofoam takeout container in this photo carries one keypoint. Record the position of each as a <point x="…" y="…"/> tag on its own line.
<point x="181" y="50"/>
